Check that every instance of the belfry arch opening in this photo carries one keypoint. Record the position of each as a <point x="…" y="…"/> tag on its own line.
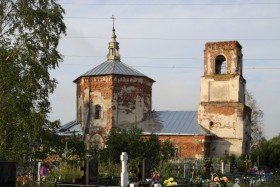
<point x="220" y="65"/>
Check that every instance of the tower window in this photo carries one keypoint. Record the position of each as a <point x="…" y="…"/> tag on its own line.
<point x="98" y="112"/>
<point x="80" y="113"/>
<point x="211" y="125"/>
<point x="220" y="65"/>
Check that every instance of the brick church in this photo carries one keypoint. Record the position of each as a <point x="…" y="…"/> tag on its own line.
<point x="114" y="95"/>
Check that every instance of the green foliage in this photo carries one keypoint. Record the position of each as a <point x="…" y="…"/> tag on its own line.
<point x="152" y="149"/>
<point x="121" y="140"/>
<point x="268" y="153"/>
<point x="167" y="150"/>
<point x="75" y="150"/>
<point x="29" y="36"/>
<point x="168" y="169"/>
<point x="256" y="121"/>
<point x="66" y="172"/>
<point x="137" y="148"/>
<point x="108" y="169"/>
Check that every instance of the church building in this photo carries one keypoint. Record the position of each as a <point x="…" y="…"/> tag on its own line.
<point x="114" y="95"/>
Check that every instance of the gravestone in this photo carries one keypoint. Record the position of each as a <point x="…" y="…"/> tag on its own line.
<point x="186" y="171"/>
<point x="222" y="167"/>
<point x="139" y="171"/>
<point x="146" y="169"/>
<point x="208" y="168"/>
<point x="235" y="167"/>
<point x="216" y="167"/>
<point x="92" y="171"/>
<point x="8" y="174"/>
<point x="227" y="167"/>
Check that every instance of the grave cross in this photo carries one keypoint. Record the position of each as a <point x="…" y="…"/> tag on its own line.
<point x="124" y="173"/>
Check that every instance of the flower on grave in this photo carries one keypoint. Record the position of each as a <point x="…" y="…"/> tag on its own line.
<point x="43" y="170"/>
<point x="170" y="182"/>
<point x="216" y="179"/>
<point x="155" y="175"/>
<point x="218" y="182"/>
<point x="225" y="179"/>
<point x="22" y="179"/>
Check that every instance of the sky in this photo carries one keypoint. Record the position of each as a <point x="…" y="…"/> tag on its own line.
<point x="165" y="39"/>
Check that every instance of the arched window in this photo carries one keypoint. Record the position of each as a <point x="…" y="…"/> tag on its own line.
<point x="220" y="65"/>
<point x="98" y="112"/>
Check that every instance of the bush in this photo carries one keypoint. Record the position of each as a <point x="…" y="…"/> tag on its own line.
<point x="65" y="172"/>
<point x="108" y="169"/>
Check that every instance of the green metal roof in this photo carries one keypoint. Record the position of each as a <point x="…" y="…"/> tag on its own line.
<point x="160" y="123"/>
<point x="113" y="68"/>
<point x="172" y="123"/>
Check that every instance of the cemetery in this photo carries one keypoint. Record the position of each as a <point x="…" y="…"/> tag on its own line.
<point x="142" y="163"/>
<point x="187" y="173"/>
<point x="116" y="137"/>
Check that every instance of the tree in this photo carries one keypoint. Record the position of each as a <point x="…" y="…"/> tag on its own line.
<point x="168" y="150"/>
<point x="153" y="149"/>
<point x="256" y="121"/>
<point x="74" y="149"/>
<point x="268" y="153"/>
<point x="29" y="35"/>
<point x="136" y="146"/>
<point x="124" y="140"/>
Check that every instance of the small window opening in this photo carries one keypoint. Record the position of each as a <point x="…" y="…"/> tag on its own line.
<point x="220" y="65"/>
<point x="80" y="113"/>
<point x="239" y="65"/>
<point x="211" y="123"/>
<point x="98" y="112"/>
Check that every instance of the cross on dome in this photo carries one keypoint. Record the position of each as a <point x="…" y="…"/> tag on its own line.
<point x="113" y="45"/>
<point x="113" y="18"/>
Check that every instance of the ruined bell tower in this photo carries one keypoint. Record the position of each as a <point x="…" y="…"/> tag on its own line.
<point x="222" y="108"/>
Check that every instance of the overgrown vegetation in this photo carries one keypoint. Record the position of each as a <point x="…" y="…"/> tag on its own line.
<point x="29" y="37"/>
<point x="64" y="172"/>
<point x="267" y="154"/>
<point x="137" y="147"/>
<point x="65" y="161"/>
<point x="131" y="142"/>
<point x="256" y="121"/>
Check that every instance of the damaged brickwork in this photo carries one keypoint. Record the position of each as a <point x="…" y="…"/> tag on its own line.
<point x="188" y="146"/>
<point x="231" y="50"/>
<point x="122" y="100"/>
<point x="109" y="100"/>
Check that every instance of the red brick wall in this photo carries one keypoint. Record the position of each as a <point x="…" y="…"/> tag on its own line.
<point x="226" y="49"/>
<point x="189" y="146"/>
<point x="125" y="99"/>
